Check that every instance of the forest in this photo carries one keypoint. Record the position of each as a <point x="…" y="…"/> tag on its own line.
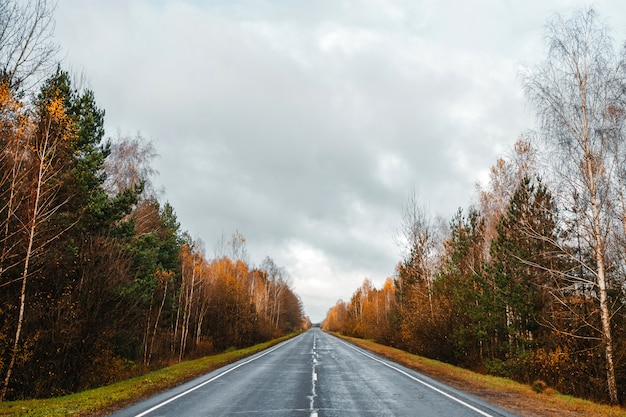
<point x="97" y="280"/>
<point x="529" y="281"/>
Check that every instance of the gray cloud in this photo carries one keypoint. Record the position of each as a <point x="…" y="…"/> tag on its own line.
<point x="304" y="125"/>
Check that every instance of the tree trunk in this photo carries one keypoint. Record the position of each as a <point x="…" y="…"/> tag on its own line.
<point x="29" y="252"/>
<point x="156" y="325"/>
<point x="188" y="309"/>
<point x="605" y="314"/>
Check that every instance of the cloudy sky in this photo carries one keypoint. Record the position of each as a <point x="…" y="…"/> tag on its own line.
<point x="305" y="125"/>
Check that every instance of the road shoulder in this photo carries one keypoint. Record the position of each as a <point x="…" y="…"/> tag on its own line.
<point x="516" y="398"/>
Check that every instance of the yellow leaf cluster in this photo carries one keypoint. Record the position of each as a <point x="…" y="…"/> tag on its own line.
<point x="56" y="111"/>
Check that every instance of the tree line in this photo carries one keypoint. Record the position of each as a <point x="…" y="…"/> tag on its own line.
<point x="529" y="281"/>
<point x="97" y="280"/>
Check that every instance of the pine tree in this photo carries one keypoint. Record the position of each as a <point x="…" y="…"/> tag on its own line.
<point x="521" y="269"/>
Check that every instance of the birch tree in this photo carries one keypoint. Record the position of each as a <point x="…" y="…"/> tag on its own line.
<point x="15" y="123"/>
<point x="51" y="139"/>
<point x="129" y="166"/>
<point x="573" y="91"/>
<point x="417" y="238"/>
<point x="26" y="47"/>
<point x="191" y="262"/>
<point x="504" y="179"/>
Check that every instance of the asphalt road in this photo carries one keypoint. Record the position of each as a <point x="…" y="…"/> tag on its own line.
<point x="313" y="375"/>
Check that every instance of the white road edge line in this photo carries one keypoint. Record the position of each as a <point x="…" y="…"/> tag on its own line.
<point x="445" y="394"/>
<point x="182" y="394"/>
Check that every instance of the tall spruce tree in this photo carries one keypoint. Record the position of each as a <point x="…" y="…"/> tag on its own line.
<point x="458" y="288"/>
<point x="521" y="268"/>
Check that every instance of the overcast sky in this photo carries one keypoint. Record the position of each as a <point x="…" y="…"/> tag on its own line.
<point x="305" y="125"/>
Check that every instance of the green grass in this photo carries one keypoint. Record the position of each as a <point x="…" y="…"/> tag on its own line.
<point x="104" y="400"/>
<point x="518" y="398"/>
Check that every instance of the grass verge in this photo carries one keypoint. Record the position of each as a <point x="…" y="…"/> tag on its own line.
<point x="104" y="400"/>
<point x="517" y="398"/>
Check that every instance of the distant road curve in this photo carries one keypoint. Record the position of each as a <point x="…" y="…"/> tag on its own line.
<point x="313" y="375"/>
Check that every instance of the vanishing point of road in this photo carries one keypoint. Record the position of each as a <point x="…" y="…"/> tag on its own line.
<point x="313" y="375"/>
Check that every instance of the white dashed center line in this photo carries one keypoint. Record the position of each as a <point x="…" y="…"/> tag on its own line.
<point x="313" y="379"/>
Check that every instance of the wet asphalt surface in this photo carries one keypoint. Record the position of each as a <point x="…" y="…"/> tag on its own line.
<point x="313" y="375"/>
